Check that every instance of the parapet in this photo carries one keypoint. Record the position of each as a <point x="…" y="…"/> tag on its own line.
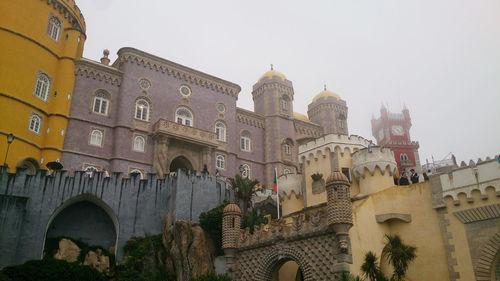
<point x="378" y="157"/>
<point x="331" y="142"/>
<point x="71" y="12"/>
<point x="290" y="183"/>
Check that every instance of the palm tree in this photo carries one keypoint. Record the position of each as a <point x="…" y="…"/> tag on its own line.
<point x="370" y="267"/>
<point x="398" y="254"/>
<point x="244" y="189"/>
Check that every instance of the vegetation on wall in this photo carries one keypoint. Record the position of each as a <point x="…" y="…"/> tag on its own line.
<point x="244" y="188"/>
<point x="254" y="217"/>
<point x="211" y="222"/>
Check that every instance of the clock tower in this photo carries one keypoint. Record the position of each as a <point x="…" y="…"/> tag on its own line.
<point x="392" y="130"/>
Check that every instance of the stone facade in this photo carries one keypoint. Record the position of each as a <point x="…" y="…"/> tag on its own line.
<point x="139" y="96"/>
<point x="98" y="210"/>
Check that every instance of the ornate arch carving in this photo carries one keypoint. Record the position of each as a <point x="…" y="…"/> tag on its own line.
<point x="484" y="267"/>
<point x="277" y="257"/>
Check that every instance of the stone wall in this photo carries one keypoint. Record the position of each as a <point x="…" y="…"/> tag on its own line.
<point x="29" y="204"/>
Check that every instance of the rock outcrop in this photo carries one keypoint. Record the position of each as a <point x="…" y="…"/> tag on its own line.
<point x="187" y="249"/>
<point x="67" y="251"/>
<point x="98" y="260"/>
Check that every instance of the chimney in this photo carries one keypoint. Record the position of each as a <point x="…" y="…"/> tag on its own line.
<point x="105" y="60"/>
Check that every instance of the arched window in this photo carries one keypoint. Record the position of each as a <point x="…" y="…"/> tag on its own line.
<point x="42" y="86"/>
<point x="340" y="123"/>
<point x="96" y="137"/>
<point x="245" y="171"/>
<point x="403" y="157"/>
<point x="142" y="110"/>
<point x="137" y="171"/>
<point x="54" y="28"/>
<point x="284" y="103"/>
<point x="35" y="123"/>
<point x="287" y="149"/>
<point x="101" y="102"/>
<point x="139" y="142"/>
<point x="245" y="141"/>
<point x="184" y="116"/>
<point x="220" y="131"/>
<point x="220" y="162"/>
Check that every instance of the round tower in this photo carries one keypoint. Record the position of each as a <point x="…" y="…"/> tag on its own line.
<point x="273" y="98"/>
<point x="373" y="169"/>
<point x="231" y="221"/>
<point x="330" y="111"/>
<point x="339" y="208"/>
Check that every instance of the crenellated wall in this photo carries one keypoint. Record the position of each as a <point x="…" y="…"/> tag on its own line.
<point x="331" y="142"/>
<point x="29" y="205"/>
<point x="374" y="169"/>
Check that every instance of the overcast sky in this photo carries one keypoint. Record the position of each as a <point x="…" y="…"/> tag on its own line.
<point x="439" y="57"/>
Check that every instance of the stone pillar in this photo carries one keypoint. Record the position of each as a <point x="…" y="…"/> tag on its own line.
<point x="231" y="221"/>
<point x="160" y="161"/>
<point x="340" y="216"/>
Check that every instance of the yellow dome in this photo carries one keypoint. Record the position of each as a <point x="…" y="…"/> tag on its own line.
<point x="325" y="94"/>
<point x="300" y="116"/>
<point x="271" y="73"/>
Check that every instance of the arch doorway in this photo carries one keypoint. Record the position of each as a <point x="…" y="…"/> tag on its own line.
<point x="83" y="218"/>
<point x="30" y="164"/>
<point x="182" y="163"/>
<point x="288" y="271"/>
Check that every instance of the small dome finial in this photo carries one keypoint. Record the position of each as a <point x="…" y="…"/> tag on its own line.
<point x="105" y="60"/>
<point x="324" y="87"/>
<point x="272" y="66"/>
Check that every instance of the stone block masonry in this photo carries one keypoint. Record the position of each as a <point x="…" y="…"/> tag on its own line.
<point x="31" y="205"/>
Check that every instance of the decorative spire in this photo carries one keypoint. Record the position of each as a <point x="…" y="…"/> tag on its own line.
<point x="272" y="66"/>
<point x="324" y="87"/>
<point x="105" y="60"/>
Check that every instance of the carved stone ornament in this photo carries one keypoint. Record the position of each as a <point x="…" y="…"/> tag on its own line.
<point x="318" y="185"/>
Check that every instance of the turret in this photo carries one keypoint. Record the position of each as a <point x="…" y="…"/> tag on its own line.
<point x="373" y="169"/>
<point x="231" y="222"/>
<point x="340" y="215"/>
<point x="330" y="111"/>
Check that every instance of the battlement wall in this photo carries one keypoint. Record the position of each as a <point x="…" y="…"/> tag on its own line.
<point x="331" y="142"/>
<point x="370" y="159"/>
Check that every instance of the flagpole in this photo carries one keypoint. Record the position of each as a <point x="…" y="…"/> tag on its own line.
<point x="277" y="192"/>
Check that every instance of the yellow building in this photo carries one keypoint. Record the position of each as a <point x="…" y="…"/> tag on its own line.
<point x="453" y="220"/>
<point x="39" y="43"/>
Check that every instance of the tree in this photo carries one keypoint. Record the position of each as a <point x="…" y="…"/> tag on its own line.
<point x="399" y="255"/>
<point x="370" y="267"/>
<point x="244" y="189"/>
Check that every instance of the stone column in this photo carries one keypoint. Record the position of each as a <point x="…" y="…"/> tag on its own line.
<point x="160" y="161"/>
<point x="340" y="216"/>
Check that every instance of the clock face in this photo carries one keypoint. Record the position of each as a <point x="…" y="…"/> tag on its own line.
<point x="381" y="135"/>
<point x="397" y="130"/>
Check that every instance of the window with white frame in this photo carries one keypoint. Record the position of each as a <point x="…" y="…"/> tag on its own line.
<point x="245" y="141"/>
<point x="403" y="157"/>
<point x="54" y="28"/>
<point x="137" y="171"/>
<point x="245" y="171"/>
<point x="220" y="131"/>
<point x="287" y="148"/>
<point x="96" y="137"/>
<point x="42" y="86"/>
<point x="340" y="123"/>
<point x="220" y="162"/>
<point x="139" y="142"/>
<point x="35" y="123"/>
<point x="184" y="116"/>
<point x="284" y="103"/>
<point x="142" y="110"/>
<point x="101" y="102"/>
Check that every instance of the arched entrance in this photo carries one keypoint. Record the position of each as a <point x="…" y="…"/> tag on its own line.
<point x="84" y="218"/>
<point x="182" y="163"/>
<point x="30" y="164"/>
<point x="288" y="271"/>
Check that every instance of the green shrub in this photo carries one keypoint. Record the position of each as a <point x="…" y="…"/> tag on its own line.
<point x="210" y="276"/>
<point x="211" y="222"/>
<point x="52" y="270"/>
<point x="254" y="218"/>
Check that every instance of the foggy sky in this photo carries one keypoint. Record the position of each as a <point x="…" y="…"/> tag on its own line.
<point x="439" y="57"/>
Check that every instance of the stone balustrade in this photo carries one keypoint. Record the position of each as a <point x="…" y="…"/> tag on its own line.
<point x="185" y="133"/>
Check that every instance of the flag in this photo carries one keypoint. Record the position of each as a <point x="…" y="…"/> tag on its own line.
<point x="275" y="181"/>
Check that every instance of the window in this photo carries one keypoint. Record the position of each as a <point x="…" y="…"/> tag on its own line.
<point x="142" y="110"/>
<point x="245" y="141"/>
<point x="245" y="171"/>
<point x="220" y="131"/>
<point x="184" y="116"/>
<point x="42" y="86"/>
<point x="101" y="102"/>
<point x="35" y="123"/>
<point x="96" y="137"/>
<point x="287" y="149"/>
<point x="284" y="103"/>
<point x="139" y="143"/>
<point x="347" y="173"/>
<point x="340" y="123"/>
<point x="54" y="28"/>
<point x="137" y="171"/>
<point x="403" y="157"/>
<point x="220" y="162"/>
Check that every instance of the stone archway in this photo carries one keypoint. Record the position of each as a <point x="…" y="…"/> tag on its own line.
<point x="490" y="256"/>
<point x="86" y="218"/>
<point x="279" y="256"/>
<point x="180" y="162"/>
<point x="30" y="164"/>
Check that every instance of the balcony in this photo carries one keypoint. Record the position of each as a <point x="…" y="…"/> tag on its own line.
<point x="185" y="133"/>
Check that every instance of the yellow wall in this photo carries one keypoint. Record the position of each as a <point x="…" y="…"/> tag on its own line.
<point x="25" y="49"/>
<point x="369" y="184"/>
<point x="292" y="203"/>
<point x="423" y="231"/>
